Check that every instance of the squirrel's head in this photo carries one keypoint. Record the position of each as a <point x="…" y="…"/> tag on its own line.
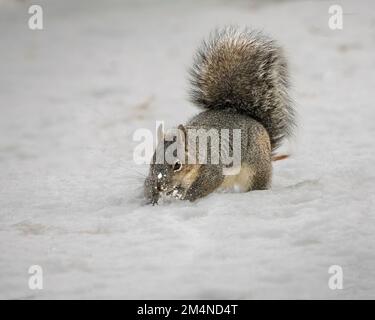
<point x="170" y="175"/>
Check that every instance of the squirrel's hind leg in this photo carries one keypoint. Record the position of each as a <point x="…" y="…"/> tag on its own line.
<point x="262" y="180"/>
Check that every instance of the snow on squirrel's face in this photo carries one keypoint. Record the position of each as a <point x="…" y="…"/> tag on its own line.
<point x="170" y="181"/>
<point x="169" y="176"/>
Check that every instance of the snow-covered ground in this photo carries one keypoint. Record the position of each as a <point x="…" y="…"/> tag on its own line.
<point x="71" y="97"/>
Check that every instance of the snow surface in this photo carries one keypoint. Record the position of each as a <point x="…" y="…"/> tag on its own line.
<point x="70" y="194"/>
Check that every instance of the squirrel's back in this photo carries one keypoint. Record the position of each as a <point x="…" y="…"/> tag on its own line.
<point x="246" y="72"/>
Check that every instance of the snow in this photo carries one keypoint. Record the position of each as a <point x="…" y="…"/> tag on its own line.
<point x="71" y="196"/>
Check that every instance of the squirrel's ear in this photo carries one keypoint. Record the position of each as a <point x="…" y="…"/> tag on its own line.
<point x="182" y="128"/>
<point x="182" y="133"/>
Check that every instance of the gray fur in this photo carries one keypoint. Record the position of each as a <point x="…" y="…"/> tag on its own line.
<point x="247" y="72"/>
<point x="240" y="78"/>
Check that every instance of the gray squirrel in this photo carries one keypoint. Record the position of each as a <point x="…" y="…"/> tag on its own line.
<point x="240" y="79"/>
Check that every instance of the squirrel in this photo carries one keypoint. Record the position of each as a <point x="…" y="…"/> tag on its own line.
<point x="240" y="79"/>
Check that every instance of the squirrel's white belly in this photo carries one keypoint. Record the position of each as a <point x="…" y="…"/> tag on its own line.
<point x="240" y="182"/>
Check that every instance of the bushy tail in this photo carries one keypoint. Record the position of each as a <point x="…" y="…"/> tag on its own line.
<point x="247" y="72"/>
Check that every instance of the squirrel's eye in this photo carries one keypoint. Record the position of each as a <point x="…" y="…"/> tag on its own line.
<point x="177" y="166"/>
